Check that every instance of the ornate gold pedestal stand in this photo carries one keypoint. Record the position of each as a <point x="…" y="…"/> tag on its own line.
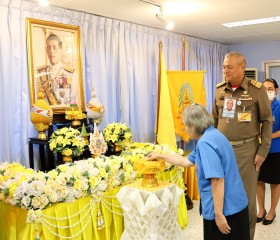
<point x="149" y="169"/>
<point x="75" y="114"/>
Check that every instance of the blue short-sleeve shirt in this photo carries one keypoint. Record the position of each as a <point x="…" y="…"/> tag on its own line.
<point x="275" y="142"/>
<point x="214" y="158"/>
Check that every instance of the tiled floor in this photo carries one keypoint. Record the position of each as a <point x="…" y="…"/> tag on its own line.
<point x="194" y="230"/>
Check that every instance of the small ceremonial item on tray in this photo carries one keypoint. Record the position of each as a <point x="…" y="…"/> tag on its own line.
<point x="41" y="116"/>
<point x="97" y="144"/>
<point x="149" y="169"/>
<point x="75" y="114"/>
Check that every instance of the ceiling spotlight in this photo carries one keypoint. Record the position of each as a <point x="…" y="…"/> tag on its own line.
<point x="168" y="24"/>
<point x="44" y="2"/>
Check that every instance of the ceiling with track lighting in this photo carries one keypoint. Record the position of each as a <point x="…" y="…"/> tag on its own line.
<point x="198" y="18"/>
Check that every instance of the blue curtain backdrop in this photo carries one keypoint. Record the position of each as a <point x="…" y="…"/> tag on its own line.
<point x="120" y="60"/>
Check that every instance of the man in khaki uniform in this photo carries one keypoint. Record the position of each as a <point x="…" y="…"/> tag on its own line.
<point x="250" y="124"/>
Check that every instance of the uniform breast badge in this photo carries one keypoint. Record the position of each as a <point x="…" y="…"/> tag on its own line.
<point x="229" y="107"/>
<point x="244" y="116"/>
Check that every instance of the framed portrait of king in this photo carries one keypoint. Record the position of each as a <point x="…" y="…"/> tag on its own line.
<point x="54" y="64"/>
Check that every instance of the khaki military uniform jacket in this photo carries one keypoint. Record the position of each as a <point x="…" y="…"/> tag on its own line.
<point x="251" y="97"/>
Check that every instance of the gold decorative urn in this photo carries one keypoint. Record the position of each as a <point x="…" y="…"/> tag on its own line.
<point x="95" y="109"/>
<point x="41" y="116"/>
<point x="149" y="169"/>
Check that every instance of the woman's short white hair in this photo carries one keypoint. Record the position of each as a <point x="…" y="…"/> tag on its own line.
<point x="197" y="117"/>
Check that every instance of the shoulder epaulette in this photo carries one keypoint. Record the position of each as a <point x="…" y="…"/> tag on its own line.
<point x="221" y="84"/>
<point x="42" y="67"/>
<point x="256" y="83"/>
<point x="69" y="69"/>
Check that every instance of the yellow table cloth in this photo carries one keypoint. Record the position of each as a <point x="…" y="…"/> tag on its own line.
<point x="191" y="183"/>
<point x="84" y="225"/>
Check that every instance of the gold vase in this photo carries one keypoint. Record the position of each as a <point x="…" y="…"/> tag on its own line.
<point x="118" y="147"/>
<point x="41" y="128"/>
<point x="66" y="158"/>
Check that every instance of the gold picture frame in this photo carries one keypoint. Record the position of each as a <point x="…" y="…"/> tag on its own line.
<point x="54" y="64"/>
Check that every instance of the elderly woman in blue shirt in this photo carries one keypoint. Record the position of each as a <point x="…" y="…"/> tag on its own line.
<point x="224" y="204"/>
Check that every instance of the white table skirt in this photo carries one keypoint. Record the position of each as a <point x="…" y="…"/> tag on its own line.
<point x="150" y="213"/>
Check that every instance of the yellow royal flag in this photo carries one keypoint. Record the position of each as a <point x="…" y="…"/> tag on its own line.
<point x="185" y="87"/>
<point x="165" y="129"/>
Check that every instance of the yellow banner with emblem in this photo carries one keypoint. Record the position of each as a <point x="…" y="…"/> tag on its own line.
<point x="185" y="88"/>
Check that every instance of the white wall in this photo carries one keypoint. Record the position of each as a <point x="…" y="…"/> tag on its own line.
<point x="257" y="53"/>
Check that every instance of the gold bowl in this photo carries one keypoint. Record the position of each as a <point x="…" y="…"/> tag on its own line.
<point x="149" y="169"/>
<point x="75" y="114"/>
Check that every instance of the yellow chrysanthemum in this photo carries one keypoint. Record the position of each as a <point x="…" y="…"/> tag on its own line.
<point x="12" y="189"/>
<point x="77" y="184"/>
<point x="63" y="130"/>
<point x="103" y="173"/>
<point x="67" y="152"/>
<point x="93" y="182"/>
<point x="53" y="174"/>
<point x="53" y="145"/>
<point x="62" y="167"/>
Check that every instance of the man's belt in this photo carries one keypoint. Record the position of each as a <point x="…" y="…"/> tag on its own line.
<point x="234" y="143"/>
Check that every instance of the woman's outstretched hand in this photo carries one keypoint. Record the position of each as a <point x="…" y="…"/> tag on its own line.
<point x="152" y="155"/>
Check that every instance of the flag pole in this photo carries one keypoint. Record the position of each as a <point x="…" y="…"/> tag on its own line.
<point x="158" y="99"/>
<point x="189" y="202"/>
<point x="183" y="68"/>
<point x="183" y="54"/>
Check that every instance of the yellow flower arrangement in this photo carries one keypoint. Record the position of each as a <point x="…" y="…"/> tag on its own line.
<point x="68" y="141"/>
<point x="118" y="133"/>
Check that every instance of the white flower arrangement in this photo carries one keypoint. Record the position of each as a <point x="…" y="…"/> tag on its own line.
<point x="68" y="141"/>
<point x="33" y="190"/>
<point x="37" y="190"/>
